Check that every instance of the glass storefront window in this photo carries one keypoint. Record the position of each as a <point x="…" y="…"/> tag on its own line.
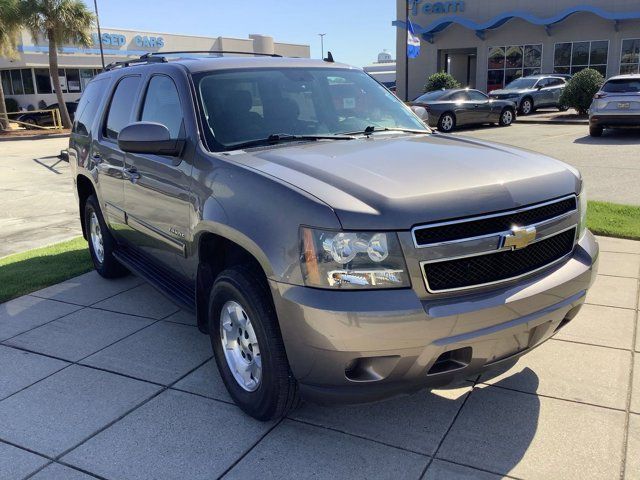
<point x="43" y="80"/>
<point x="533" y="56"/>
<point x="16" y="81"/>
<point x="513" y="61"/>
<point x="514" y="57"/>
<point x="5" y="75"/>
<point x="73" y="80"/>
<point x="573" y="57"/>
<point x="27" y="82"/>
<point x="630" y="57"/>
<point x="86" y="74"/>
<point x="496" y="58"/>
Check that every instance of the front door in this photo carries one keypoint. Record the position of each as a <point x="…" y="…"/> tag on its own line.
<point x="156" y="188"/>
<point x="109" y="159"/>
<point x="479" y="107"/>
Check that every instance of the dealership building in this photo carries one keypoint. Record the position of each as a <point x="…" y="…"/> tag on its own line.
<point x="486" y="44"/>
<point x="26" y="78"/>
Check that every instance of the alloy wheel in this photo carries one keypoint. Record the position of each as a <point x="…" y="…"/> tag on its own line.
<point x="240" y="346"/>
<point x="447" y="123"/>
<point x="507" y="117"/>
<point x="526" y="107"/>
<point x="96" y="237"/>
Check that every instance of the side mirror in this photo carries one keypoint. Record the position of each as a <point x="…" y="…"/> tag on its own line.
<point x="420" y="112"/>
<point x="149" y="137"/>
<point x="539" y="87"/>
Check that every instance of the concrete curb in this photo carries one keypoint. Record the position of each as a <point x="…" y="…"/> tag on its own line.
<point x="541" y="121"/>
<point x="33" y="137"/>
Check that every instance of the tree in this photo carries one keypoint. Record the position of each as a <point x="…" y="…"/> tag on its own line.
<point x="9" y="29"/>
<point x="441" y="81"/>
<point x="580" y="90"/>
<point x="60" y="22"/>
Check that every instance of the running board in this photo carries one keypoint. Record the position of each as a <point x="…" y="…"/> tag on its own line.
<point x="167" y="283"/>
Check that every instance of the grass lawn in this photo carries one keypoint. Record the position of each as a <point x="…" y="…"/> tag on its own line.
<point x="27" y="272"/>
<point x="613" y="220"/>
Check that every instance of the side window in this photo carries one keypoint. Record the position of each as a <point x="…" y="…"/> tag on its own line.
<point x="121" y="106"/>
<point x="88" y="106"/>
<point x="477" y="96"/>
<point x="162" y="104"/>
<point x="459" y="97"/>
<point x="554" y="82"/>
<point x="543" y="83"/>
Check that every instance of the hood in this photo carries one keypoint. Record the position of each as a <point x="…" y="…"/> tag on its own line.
<point x="393" y="182"/>
<point x="515" y="91"/>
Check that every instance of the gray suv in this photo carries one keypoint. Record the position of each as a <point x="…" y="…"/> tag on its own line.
<point x="331" y="245"/>
<point x="535" y="91"/>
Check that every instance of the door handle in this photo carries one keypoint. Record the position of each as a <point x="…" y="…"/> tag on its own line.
<point x="131" y="174"/>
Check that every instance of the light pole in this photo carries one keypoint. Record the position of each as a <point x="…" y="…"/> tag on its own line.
<point x="321" y="35"/>
<point x="95" y="4"/>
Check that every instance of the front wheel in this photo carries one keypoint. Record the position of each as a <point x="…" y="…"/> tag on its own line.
<point x="101" y="243"/>
<point x="506" y="117"/>
<point x="447" y="122"/>
<point x="248" y="347"/>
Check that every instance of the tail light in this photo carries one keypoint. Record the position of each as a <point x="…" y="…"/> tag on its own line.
<point x="599" y="95"/>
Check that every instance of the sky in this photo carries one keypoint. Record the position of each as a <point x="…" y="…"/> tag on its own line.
<point x="356" y="31"/>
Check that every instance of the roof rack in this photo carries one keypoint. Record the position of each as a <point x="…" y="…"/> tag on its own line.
<point x="209" y="52"/>
<point x="137" y="61"/>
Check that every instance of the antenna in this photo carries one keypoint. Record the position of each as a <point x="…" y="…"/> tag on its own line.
<point x="329" y="58"/>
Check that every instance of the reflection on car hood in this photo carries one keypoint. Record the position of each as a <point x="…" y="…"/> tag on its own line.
<point x="392" y="181"/>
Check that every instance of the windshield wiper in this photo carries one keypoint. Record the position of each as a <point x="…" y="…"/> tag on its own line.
<point x="276" y="138"/>
<point x="372" y="129"/>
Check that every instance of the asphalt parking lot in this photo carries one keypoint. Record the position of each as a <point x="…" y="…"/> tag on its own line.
<point x="610" y="165"/>
<point x="37" y="206"/>
<point x="108" y="379"/>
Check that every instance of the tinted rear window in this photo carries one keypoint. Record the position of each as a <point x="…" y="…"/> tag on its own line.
<point x="121" y="106"/>
<point x="622" y="86"/>
<point x="433" y="96"/>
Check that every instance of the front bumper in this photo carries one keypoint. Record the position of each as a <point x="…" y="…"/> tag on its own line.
<point x="391" y="342"/>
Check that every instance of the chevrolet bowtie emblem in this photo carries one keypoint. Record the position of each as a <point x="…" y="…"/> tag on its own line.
<point x="519" y="237"/>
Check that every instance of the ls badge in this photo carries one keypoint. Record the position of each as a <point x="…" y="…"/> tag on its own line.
<point x="519" y="237"/>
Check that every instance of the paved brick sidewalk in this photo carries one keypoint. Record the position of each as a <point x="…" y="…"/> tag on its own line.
<point x="109" y="379"/>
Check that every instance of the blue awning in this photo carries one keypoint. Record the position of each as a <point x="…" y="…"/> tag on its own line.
<point x="499" y="20"/>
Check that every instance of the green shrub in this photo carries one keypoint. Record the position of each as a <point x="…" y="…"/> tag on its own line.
<point x="580" y="90"/>
<point x="11" y="104"/>
<point x="441" y="81"/>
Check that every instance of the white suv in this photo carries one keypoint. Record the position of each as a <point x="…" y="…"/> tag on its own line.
<point x="617" y="104"/>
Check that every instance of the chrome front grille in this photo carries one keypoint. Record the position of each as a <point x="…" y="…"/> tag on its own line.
<point x="479" y="251"/>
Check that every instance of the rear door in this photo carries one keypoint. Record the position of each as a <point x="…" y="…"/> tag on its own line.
<point x="157" y="187"/>
<point x="107" y="157"/>
<point x="555" y="88"/>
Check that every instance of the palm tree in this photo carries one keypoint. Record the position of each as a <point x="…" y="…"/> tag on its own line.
<point x="60" y="22"/>
<point x="9" y="29"/>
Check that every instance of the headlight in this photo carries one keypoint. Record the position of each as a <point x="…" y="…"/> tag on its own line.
<point x="361" y="260"/>
<point x="582" y="207"/>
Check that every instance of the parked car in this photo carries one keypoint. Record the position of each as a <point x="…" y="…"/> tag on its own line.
<point x="45" y="119"/>
<point x="616" y="105"/>
<point x="330" y="244"/>
<point x="535" y="91"/>
<point x="453" y="108"/>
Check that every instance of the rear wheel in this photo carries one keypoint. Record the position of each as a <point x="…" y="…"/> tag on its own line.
<point x="248" y="347"/>
<point x="526" y="107"/>
<point x="447" y="122"/>
<point x="506" y="117"/>
<point x="101" y="243"/>
<point x="595" y="131"/>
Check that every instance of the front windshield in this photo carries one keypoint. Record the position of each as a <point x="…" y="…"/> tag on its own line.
<point x="521" y="83"/>
<point x="251" y="104"/>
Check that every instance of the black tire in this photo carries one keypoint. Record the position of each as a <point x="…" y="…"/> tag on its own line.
<point x="507" y="116"/>
<point x="277" y="393"/>
<point x="526" y="106"/>
<point x="108" y="267"/>
<point x="447" y="122"/>
<point x="595" y="131"/>
<point x="30" y="121"/>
